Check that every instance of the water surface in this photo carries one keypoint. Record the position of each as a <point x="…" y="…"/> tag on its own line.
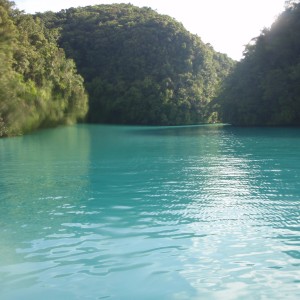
<point x="109" y="212"/>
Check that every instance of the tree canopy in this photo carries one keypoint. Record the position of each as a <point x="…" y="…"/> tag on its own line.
<point x="140" y="67"/>
<point x="264" y="88"/>
<point x="39" y="87"/>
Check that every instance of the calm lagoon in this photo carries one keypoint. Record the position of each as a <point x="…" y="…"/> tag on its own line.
<point x="118" y="212"/>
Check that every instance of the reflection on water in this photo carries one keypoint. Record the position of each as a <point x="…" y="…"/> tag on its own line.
<point x="108" y="212"/>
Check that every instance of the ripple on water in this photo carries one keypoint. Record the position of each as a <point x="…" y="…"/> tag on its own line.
<point x="172" y="214"/>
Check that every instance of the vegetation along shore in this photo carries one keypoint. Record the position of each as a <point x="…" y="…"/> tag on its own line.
<point x="123" y="64"/>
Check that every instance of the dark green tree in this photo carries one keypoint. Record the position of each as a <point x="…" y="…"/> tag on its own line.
<point x="140" y="67"/>
<point x="39" y="87"/>
<point x="264" y="88"/>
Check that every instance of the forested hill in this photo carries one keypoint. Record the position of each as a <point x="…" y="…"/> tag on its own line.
<point x="39" y="87"/>
<point x="140" y="67"/>
<point x="264" y="89"/>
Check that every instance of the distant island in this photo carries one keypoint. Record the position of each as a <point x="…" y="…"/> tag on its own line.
<point x="121" y="64"/>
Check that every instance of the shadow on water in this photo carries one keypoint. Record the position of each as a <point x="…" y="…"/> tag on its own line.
<point x="188" y="130"/>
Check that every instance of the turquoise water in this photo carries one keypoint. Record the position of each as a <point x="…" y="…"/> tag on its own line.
<point x="108" y="212"/>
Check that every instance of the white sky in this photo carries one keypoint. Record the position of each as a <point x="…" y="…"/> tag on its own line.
<point x="228" y="25"/>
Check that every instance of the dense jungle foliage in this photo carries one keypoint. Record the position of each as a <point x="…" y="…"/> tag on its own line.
<point x="140" y="67"/>
<point x="39" y="87"/>
<point x="264" y="88"/>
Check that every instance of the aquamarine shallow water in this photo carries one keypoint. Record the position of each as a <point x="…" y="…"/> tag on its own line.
<point x="107" y="212"/>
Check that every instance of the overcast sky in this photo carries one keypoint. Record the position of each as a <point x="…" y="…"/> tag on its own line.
<point x="227" y="25"/>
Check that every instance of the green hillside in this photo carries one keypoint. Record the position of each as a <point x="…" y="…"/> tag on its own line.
<point x="140" y="67"/>
<point x="264" y="88"/>
<point x="39" y="87"/>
